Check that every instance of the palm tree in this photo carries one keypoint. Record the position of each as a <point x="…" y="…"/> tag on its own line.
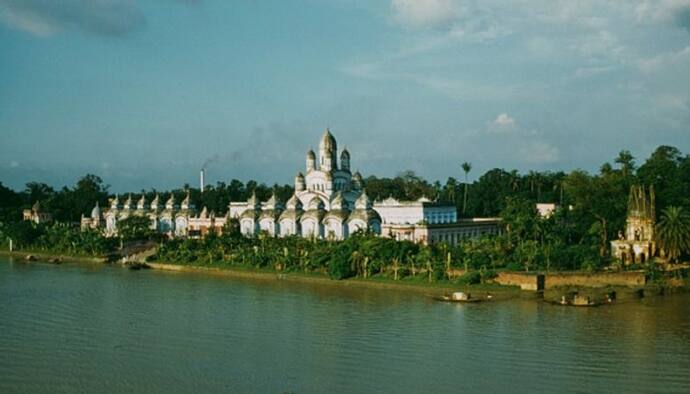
<point x="466" y="167"/>
<point x="673" y="232"/>
<point x="626" y="161"/>
<point x="514" y="180"/>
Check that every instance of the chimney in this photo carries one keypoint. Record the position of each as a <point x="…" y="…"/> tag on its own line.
<point x="201" y="180"/>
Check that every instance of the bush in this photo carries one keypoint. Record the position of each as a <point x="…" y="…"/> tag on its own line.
<point x="487" y="275"/>
<point x="470" y="278"/>
<point x="340" y="268"/>
<point x="513" y="266"/>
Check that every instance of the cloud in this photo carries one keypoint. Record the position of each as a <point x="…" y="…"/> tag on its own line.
<point x="588" y="72"/>
<point x="504" y="120"/>
<point x="426" y="13"/>
<point x="504" y="124"/>
<point x="660" y="61"/>
<point x="676" y="12"/>
<point x="43" y="18"/>
<point x="459" y="21"/>
<point x="522" y="145"/>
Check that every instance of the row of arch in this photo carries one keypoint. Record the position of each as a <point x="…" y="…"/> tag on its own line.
<point x="330" y="227"/>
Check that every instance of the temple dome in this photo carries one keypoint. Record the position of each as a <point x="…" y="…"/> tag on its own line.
<point x="338" y="202"/>
<point x="170" y="204"/>
<point x="328" y="142"/>
<point x="253" y="202"/>
<point x="316" y="204"/>
<point x="363" y="202"/>
<point x="294" y="203"/>
<point x="96" y="211"/>
<point x="345" y="154"/>
<point x="155" y="203"/>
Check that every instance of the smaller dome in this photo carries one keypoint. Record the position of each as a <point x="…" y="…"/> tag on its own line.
<point x="299" y="176"/>
<point x="316" y="204"/>
<point x="294" y="203"/>
<point x="272" y="203"/>
<point x="253" y="202"/>
<point x="171" y="202"/>
<point x="186" y="203"/>
<point x="363" y="202"/>
<point x="155" y="203"/>
<point x="311" y="155"/>
<point x="345" y="155"/>
<point x="338" y="202"/>
<point x="96" y="211"/>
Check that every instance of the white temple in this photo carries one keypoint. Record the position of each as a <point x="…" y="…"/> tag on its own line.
<point x="329" y="202"/>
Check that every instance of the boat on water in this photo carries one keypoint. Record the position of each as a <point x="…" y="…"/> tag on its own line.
<point x="458" y="296"/>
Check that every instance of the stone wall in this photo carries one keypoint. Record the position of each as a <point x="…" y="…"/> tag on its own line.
<point x="531" y="281"/>
<point x="526" y="281"/>
<point x="600" y="279"/>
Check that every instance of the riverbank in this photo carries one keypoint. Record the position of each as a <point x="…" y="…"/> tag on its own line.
<point x="47" y="256"/>
<point x="417" y="285"/>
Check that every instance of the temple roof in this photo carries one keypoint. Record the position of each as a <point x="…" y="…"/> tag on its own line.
<point x="328" y="141"/>
<point x="96" y="211"/>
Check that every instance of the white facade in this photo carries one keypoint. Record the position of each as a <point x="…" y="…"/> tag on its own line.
<point x="171" y="219"/>
<point x="415" y="212"/>
<point x="329" y="202"/>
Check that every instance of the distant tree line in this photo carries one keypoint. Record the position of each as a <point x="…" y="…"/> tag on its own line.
<point x="576" y="238"/>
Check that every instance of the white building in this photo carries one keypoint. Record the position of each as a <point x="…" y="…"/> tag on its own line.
<point x="329" y="202"/>
<point x="171" y="219"/>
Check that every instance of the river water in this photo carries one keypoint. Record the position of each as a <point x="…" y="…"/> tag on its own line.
<point x="94" y="328"/>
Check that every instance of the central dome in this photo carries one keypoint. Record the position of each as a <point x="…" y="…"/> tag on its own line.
<point x="328" y="142"/>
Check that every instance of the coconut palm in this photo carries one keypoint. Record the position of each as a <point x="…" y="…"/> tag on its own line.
<point x="673" y="232"/>
<point x="466" y="167"/>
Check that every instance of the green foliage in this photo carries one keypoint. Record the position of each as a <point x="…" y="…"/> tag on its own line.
<point x="10" y="205"/>
<point x="135" y="228"/>
<point x="673" y="232"/>
<point x="57" y="238"/>
<point x="470" y="278"/>
<point x="593" y="211"/>
<point x="23" y="234"/>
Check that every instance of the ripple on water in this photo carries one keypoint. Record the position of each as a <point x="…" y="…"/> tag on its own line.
<point x="75" y="328"/>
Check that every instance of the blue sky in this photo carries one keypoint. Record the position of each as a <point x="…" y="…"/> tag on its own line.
<point x="143" y="93"/>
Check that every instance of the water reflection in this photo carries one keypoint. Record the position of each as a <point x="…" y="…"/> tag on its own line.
<point x="83" y="328"/>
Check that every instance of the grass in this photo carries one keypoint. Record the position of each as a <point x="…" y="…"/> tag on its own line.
<point x="417" y="283"/>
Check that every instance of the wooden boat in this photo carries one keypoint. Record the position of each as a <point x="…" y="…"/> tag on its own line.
<point x="457" y="297"/>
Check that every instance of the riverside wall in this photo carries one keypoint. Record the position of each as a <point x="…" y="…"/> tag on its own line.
<point x="538" y="281"/>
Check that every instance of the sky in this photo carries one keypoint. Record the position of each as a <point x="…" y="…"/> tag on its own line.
<point x="145" y="93"/>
